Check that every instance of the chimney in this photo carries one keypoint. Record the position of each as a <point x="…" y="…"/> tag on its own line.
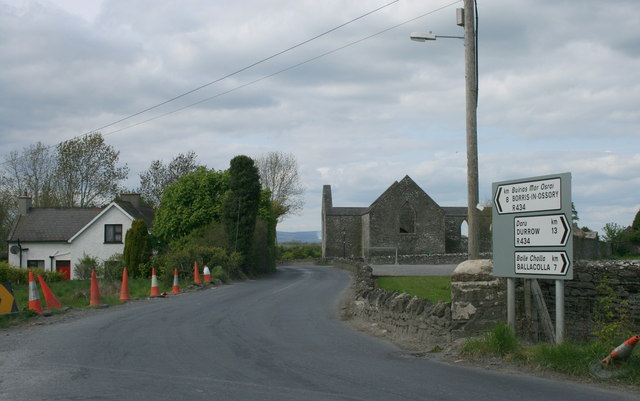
<point x="24" y="204"/>
<point x="132" y="198"/>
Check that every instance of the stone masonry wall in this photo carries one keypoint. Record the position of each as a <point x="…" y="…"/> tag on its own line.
<point x="581" y="293"/>
<point x="479" y="301"/>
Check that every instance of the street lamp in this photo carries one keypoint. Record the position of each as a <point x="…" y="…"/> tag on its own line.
<point x="465" y="18"/>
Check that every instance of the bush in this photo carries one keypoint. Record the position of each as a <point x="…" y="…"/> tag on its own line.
<point x="16" y="275"/>
<point x="112" y="267"/>
<point x="83" y="268"/>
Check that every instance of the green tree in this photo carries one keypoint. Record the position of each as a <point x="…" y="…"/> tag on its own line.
<point x="241" y="205"/>
<point x="194" y="201"/>
<point x="87" y="171"/>
<point x="136" y="247"/>
<point x="612" y="232"/>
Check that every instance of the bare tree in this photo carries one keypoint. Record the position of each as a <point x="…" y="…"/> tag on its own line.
<point x="31" y="172"/>
<point x="279" y="173"/>
<point x="87" y="172"/>
<point x="154" y="180"/>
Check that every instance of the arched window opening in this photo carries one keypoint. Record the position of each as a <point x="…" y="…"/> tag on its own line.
<point x="407" y="219"/>
<point x="464" y="229"/>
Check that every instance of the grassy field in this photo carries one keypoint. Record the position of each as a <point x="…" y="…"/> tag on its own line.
<point x="432" y="288"/>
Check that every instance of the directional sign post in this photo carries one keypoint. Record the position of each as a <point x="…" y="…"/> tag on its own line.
<point x="532" y="235"/>
<point x="532" y="215"/>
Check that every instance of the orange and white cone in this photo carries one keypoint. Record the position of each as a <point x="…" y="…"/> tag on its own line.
<point x="155" y="291"/>
<point x="622" y="351"/>
<point x="176" y="283"/>
<point x="95" y="291"/>
<point x="49" y="298"/>
<point x="196" y="274"/>
<point x="34" y="297"/>
<point x="207" y="274"/>
<point x="124" y="289"/>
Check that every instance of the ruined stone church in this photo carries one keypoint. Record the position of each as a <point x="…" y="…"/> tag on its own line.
<point x="403" y="217"/>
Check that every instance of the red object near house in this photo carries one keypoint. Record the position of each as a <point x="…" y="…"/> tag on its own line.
<point x="64" y="266"/>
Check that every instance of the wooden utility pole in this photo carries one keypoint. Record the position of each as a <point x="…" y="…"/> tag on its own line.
<point x="471" y="85"/>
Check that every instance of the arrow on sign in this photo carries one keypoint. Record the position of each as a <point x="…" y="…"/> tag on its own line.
<point x="530" y="196"/>
<point x="550" y="230"/>
<point x="542" y="263"/>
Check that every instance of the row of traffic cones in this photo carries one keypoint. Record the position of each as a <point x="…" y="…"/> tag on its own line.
<point x="196" y="274"/>
<point x="95" y="299"/>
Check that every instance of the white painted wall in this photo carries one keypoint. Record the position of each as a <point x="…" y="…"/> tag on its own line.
<point x="89" y="242"/>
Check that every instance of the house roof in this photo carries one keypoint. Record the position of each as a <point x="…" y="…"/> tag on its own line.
<point x="142" y="212"/>
<point x="51" y="224"/>
<point x="64" y="224"/>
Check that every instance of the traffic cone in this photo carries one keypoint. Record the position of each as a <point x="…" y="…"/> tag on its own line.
<point x="34" y="297"/>
<point x="207" y="274"/>
<point x="50" y="299"/>
<point x="124" y="289"/>
<point x="196" y="274"/>
<point x="622" y="351"/>
<point x="176" y="284"/>
<point x="155" y="291"/>
<point x="95" y="291"/>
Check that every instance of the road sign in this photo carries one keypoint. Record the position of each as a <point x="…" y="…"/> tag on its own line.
<point x="7" y="300"/>
<point x="553" y="263"/>
<point x="532" y="227"/>
<point x="550" y="230"/>
<point x="528" y="196"/>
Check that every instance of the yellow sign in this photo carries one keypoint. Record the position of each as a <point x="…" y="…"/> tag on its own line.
<point x="7" y="300"/>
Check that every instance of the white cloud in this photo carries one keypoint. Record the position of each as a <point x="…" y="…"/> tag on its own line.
<point x="557" y="89"/>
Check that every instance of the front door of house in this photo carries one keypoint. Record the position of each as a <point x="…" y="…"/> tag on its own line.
<point x="64" y="266"/>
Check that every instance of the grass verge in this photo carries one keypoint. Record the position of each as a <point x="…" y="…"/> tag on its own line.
<point x="76" y="294"/>
<point x="433" y="288"/>
<point x="577" y="359"/>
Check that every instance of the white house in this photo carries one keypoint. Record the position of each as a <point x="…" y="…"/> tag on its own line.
<point x="56" y="239"/>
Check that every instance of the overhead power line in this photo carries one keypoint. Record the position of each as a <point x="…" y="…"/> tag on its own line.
<point x="291" y="67"/>
<point x="246" y="68"/>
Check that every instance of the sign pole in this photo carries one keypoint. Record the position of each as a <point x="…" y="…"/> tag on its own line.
<point x="559" y="311"/>
<point x="511" y="303"/>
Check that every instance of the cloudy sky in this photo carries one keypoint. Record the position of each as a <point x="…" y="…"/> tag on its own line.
<point x="559" y="91"/>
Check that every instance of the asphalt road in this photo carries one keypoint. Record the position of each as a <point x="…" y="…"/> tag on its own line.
<point x="272" y="339"/>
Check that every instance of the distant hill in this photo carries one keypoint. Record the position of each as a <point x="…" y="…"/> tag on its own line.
<point x="307" y="237"/>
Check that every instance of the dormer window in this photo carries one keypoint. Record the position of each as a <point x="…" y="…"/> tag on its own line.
<point x="113" y="233"/>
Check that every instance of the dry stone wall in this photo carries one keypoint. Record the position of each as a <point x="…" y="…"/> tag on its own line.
<point x="479" y="302"/>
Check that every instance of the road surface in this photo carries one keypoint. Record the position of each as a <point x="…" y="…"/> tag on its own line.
<point x="277" y="338"/>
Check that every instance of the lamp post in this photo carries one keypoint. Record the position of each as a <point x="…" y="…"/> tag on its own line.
<point x="466" y="18"/>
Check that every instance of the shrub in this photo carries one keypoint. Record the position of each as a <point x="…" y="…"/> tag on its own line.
<point x="612" y="318"/>
<point x="113" y="266"/>
<point x="82" y="269"/>
<point x="136" y="248"/>
<point x="17" y="275"/>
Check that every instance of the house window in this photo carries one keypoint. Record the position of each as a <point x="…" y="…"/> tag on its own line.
<point x="407" y="219"/>
<point x="113" y="233"/>
<point x="35" y="264"/>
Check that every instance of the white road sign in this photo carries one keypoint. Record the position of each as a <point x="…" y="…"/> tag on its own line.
<point x="532" y="196"/>
<point x="553" y="263"/>
<point x="551" y="230"/>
